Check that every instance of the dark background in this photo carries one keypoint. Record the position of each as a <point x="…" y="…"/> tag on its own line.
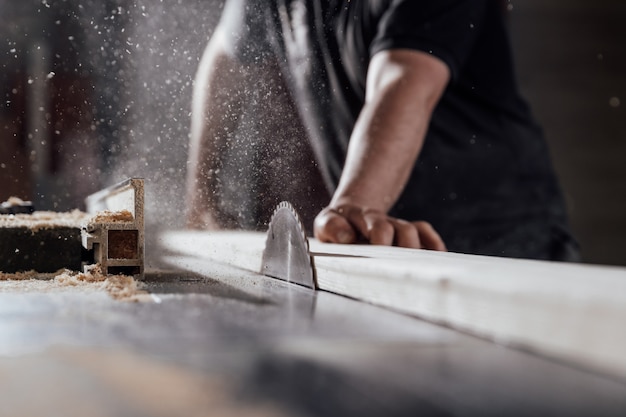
<point x="105" y="86"/>
<point x="572" y="68"/>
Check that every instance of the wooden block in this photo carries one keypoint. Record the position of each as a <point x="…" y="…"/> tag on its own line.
<point x="43" y="250"/>
<point x="43" y="241"/>
<point x="571" y="312"/>
<point x="116" y="233"/>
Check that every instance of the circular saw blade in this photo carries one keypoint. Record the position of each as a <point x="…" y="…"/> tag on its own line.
<point x="286" y="255"/>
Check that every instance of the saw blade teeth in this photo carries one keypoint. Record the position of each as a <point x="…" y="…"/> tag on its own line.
<point x="286" y="205"/>
<point x="286" y="255"/>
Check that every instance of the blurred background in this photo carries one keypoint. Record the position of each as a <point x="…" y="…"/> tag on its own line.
<point x="95" y="91"/>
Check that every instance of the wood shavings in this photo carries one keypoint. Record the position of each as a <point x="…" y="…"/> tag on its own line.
<point x="75" y="219"/>
<point x="21" y="276"/>
<point x="107" y="216"/>
<point x="119" y="287"/>
<point x="14" y="201"/>
<point x="44" y="220"/>
<point x="124" y="288"/>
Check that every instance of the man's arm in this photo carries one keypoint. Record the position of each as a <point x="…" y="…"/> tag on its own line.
<point x="217" y="106"/>
<point x="403" y="88"/>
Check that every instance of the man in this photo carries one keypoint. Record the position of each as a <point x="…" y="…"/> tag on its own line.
<point x="413" y="113"/>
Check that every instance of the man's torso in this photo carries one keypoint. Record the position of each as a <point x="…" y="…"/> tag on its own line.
<point x="484" y="161"/>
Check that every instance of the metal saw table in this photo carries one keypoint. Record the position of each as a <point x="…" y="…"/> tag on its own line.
<point x="230" y="342"/>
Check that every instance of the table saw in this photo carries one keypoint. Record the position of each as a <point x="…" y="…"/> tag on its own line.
<point x="381" y="331"/>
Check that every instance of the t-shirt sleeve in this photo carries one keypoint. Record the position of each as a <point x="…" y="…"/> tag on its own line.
<point x="446" y="29"/>
<point x="243" y="27"/>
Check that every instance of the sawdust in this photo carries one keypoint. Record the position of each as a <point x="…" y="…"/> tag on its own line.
<point x="123" y="287"/>
<point x="106" y="216"/>
<point x="14" y="202"/>
<point x="119" y="287"/>
<point x="74" y="219"/>
<point x="22" y="276"/>
<point x="44" y="220"/>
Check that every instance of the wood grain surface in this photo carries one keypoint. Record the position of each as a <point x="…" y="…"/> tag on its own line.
<point x="570" y="312"/>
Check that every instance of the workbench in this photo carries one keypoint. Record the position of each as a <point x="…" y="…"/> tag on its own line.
<point x="214" y="339"/>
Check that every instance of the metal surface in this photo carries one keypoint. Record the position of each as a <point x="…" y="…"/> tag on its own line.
<point x="286" y="255"/>
<point x="224" y="342"/>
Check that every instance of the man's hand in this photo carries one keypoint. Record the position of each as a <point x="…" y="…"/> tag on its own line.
<point x="352" y="224"/>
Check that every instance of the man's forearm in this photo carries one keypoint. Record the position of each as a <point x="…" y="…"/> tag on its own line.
<point x="216" y="108"/>
<point x="403" y="88"/>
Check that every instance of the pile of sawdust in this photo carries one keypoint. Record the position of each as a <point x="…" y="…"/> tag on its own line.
<point x="106" y="216"/>
<point x="119" y="287"/>
<point x="74" y="219"/>
<point x="45" y="220"/>
<point x="14" y="202"/>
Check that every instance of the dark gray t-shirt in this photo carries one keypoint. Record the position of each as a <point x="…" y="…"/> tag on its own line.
<point x="484" y="177"/>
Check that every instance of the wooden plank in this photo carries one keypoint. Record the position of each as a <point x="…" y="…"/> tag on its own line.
<point x="571" y="312"/>
<point x="43" y="241"/>
<point x="43" y="250"/>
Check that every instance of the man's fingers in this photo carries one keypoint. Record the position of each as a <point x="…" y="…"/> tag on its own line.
<point x="387" y="231"/>
<point x="429" y="237"/>
<point x="380" y="231"/>
<point x="407" y="235"/>
<point x="348" y="224"/>
<point x="333" y="227"/>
